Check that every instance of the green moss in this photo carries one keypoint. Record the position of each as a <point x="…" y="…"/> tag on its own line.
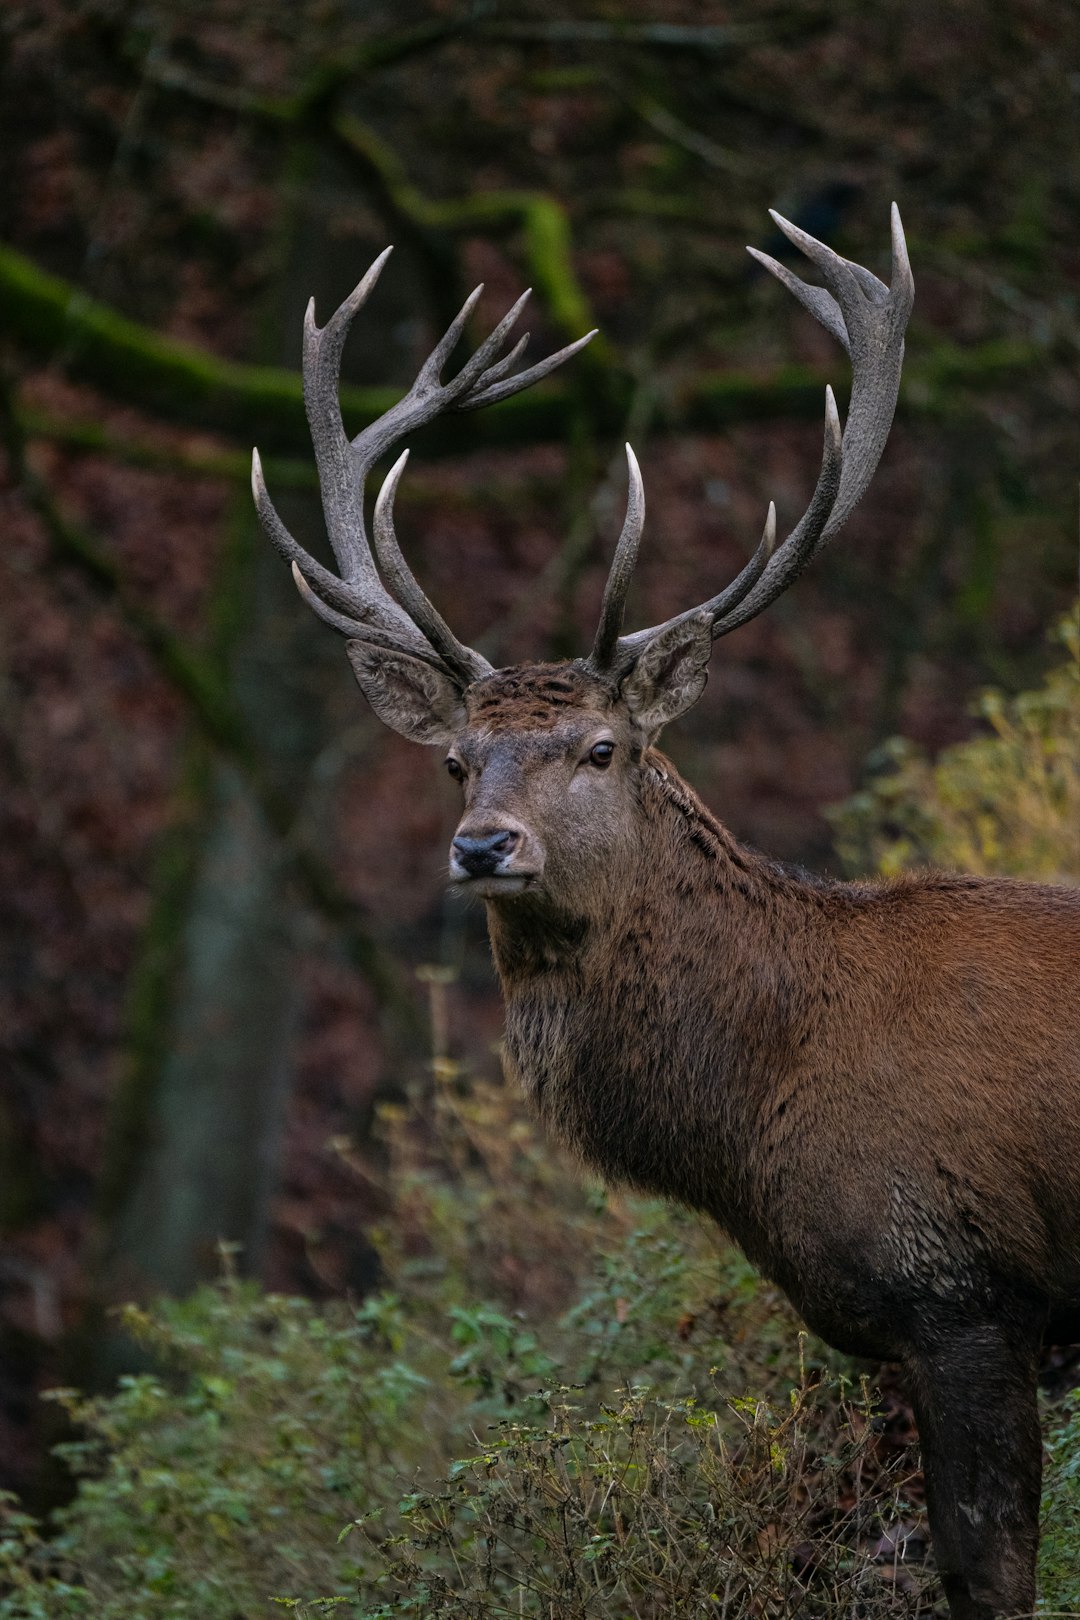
<point x="543" y="219"/>
<point x="139" y="365"/>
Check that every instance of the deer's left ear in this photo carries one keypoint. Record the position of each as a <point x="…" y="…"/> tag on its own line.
<point x="670" y="675"/>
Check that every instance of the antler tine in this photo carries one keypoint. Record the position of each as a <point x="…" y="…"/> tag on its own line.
<point x="341" y="622"/>
<point x="462" y="661"/>
<point x="494" y="373"/>
<point x="485" y="395"/>
<point x="622" y="568"/>
<point x="344" y="465"/>
<point x="431" y="370"/>
<point x="429" y="395"/>
<point x="338" y="593"/>
<point x="487" y="353"/>
<point x="874" y="318"/>
<point x="821" y="306"/>
<point x="783" y="566"/>
<point x="748" y="576"/>
<point x="869" y="320"/>
<point x="323" y="349"/>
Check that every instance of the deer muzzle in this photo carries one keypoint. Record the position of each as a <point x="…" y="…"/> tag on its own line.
<point x="503" y="859"/>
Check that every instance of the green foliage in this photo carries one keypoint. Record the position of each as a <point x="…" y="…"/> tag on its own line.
<point x="1059" y="1551"/>
<point x="1007" y="801"/>
<point x="646" y="1506"/>
<point x="282" y="1447"/>
<point x="219" y="1478"/>
<point x="609" y="1458"/>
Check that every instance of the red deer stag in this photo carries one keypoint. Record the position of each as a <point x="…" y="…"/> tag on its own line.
<point x="874" y="1087"/>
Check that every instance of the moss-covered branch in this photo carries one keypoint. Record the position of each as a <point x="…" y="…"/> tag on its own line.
<point x="183" y="383"/>
<point x="541" y="217"/>
<point x="133" y="363"/>
<point x="93" y="437"/>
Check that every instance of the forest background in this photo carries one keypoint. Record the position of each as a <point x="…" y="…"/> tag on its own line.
<point x="224" y="929"/>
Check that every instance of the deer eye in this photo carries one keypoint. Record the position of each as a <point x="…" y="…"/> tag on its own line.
<point x="600" y="755"/>
<point x="455" y="769"/>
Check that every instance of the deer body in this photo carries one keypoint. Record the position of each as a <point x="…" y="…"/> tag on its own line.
<point x="874" y="1087"/>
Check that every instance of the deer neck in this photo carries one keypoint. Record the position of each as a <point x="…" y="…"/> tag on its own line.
<point x="647" y="1030"/>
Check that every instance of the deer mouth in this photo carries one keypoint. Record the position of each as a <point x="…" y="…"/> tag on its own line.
<point x="494" y="885"/>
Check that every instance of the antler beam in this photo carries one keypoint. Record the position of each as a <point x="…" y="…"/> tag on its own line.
<point x="868" y="319"/>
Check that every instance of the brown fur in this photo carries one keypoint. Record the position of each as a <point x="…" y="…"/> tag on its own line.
<point x="532" y="697"/>
<point x="874" y="1087"/>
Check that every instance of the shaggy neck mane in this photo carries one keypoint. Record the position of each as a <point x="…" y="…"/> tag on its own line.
<point x="644" y="1029"/>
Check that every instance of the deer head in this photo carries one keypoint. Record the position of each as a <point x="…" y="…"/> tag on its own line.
<point x="549" y="754"/>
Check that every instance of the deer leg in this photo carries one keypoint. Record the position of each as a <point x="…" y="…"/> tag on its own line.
<point x="976" y="1408"/>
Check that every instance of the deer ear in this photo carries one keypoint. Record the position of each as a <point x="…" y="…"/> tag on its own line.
<point x="670" y="675"/>
<point x="409" y="696"/>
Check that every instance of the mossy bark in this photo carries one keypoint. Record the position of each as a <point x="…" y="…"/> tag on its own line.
<point x="196" y="1127"/>
<point x="197" y="1118"/>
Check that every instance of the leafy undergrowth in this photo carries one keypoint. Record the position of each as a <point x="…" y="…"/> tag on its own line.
<point x="641" y="1431"/>
<point x="562" y="1405"/>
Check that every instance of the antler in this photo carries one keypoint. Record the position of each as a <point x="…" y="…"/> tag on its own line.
<point x="356" y="603"/>
<point x="869" y="319"/>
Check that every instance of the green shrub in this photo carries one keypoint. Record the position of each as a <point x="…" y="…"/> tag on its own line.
<point x="222" y="1478"/>
<point x="652" y="1507"/>
<point x="223" y="1481"/>
<point x="1007" y="801"/>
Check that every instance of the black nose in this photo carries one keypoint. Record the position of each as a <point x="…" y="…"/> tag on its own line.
<point x="481" y="856"/>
